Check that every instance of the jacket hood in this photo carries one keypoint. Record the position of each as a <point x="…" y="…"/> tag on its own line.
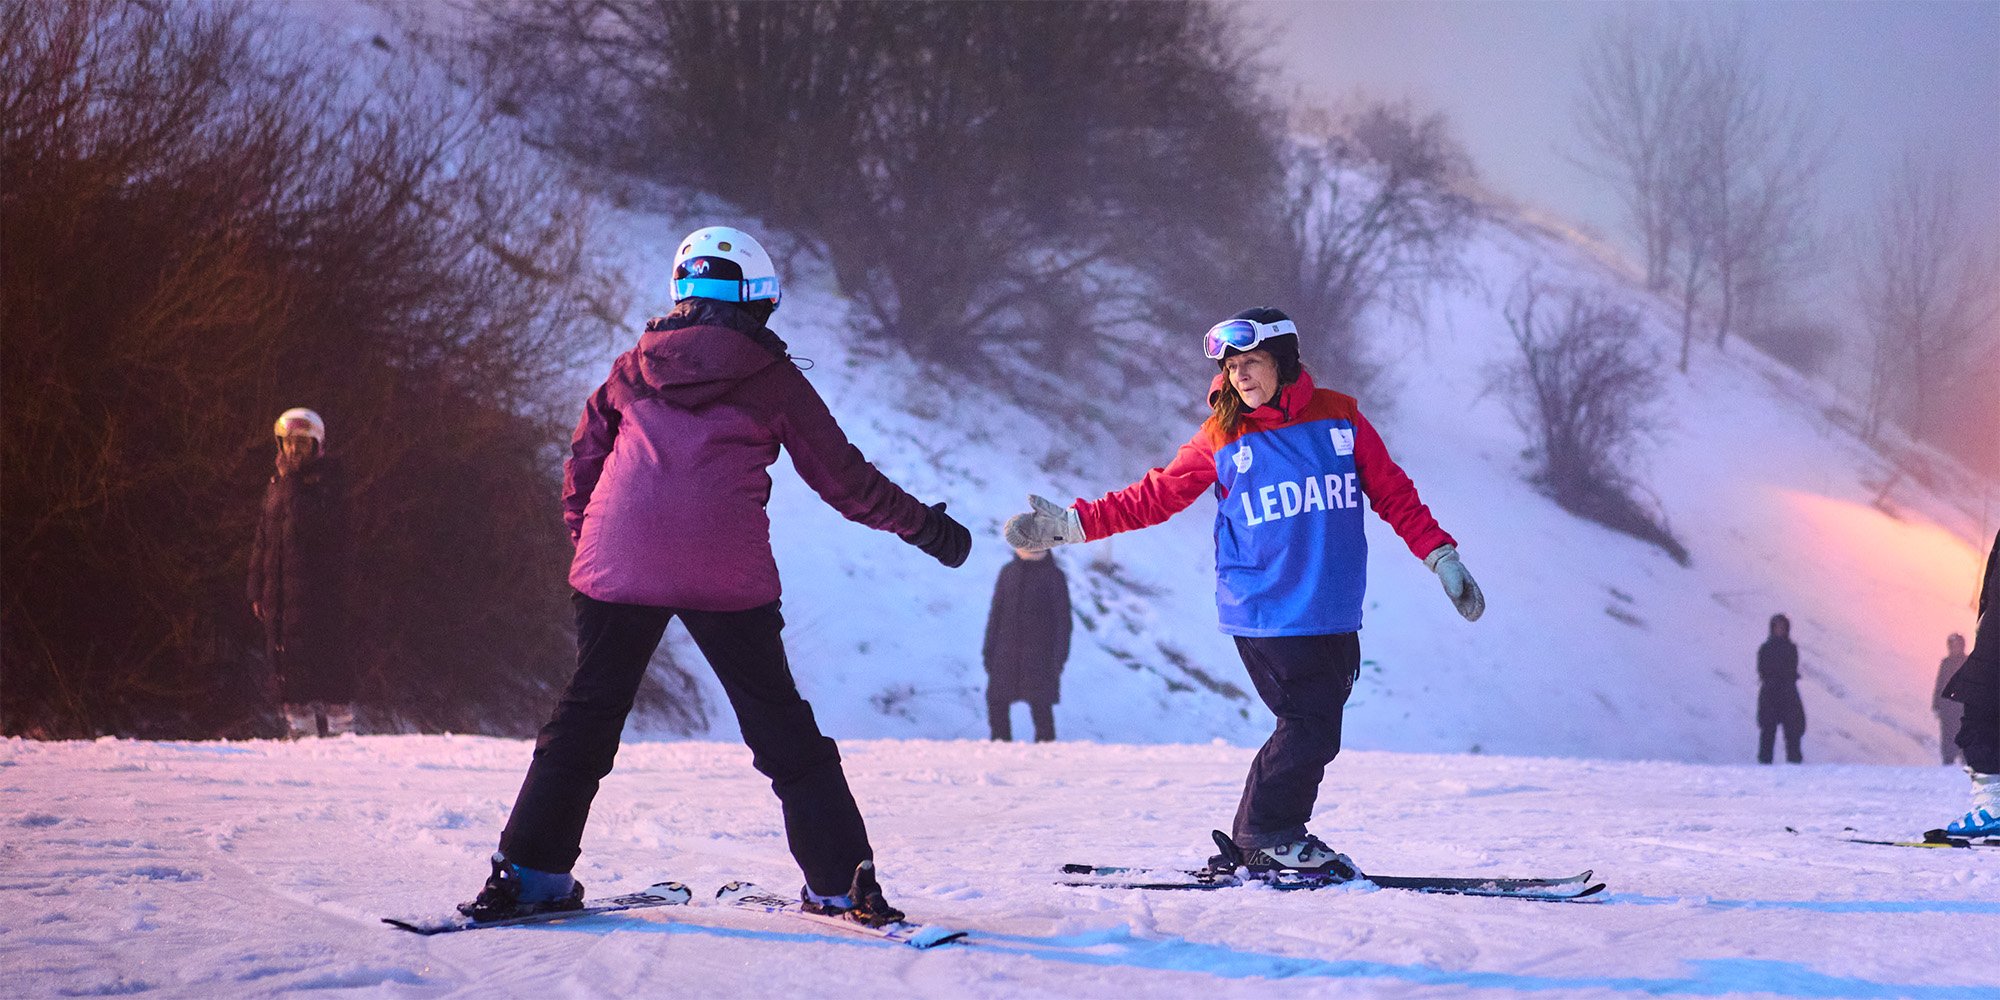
<point x="702" y="350"/>
<point x="1291" y="399"/>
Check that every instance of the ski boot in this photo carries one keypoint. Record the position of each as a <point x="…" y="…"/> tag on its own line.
<point x="1983" y="819"/>
<point x="862" y="903"/>
<point x="339" y="719"/>
<point x="1300" y="857"/>
<point x="301" y="721"/>
<point x="513" y="891"/>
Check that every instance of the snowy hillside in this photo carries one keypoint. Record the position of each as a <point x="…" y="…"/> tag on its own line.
<point x="260" y="869"/>
<point x="1594" y="644"/>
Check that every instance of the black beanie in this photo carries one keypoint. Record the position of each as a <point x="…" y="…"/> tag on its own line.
<point x="1284" y="349"/>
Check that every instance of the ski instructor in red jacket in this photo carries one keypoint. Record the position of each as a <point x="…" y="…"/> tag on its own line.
<point x="1289" y="464"/>
<point x="664" y="493"/>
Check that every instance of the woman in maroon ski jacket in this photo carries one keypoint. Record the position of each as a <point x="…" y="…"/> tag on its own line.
<point x="664" y="494"/>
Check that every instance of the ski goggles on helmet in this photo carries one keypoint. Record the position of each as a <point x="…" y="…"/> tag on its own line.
<point x="1242" y="335"/>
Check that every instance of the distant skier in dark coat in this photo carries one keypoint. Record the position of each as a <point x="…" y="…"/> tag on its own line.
<point x="1027" y="642"/>
<point x="664" y="494"/>
<point x="1950" y="714"/>
<point x="297" y="575"/>
<point x="1977" y="687"/>
<point x="1778" y="701"/>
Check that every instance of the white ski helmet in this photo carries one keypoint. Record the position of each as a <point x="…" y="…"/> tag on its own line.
<point x="299" y="420"/>
<point x="719" y="262"/>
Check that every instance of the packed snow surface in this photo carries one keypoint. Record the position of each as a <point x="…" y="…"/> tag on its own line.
<point x="260" y="869"/>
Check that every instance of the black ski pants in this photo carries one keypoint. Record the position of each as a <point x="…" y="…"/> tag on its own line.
<point x="999" y="718"/>
<point x="1767" y="737"/>
<point x="1305" y="679"/>
<point x="614" y="644"/>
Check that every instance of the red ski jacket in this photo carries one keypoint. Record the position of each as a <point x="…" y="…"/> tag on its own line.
<point x="1291" y="558"/>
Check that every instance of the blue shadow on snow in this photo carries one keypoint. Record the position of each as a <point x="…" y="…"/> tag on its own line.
<point x="1117" y="947"/>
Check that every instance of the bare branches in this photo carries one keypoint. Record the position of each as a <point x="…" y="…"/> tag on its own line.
<point x="955" y="163"/>
<point x="1926" y="291"/>
<point x="1715" y="167"/>
<point x="203" y="227"/>
<point x="1584" y="388"/>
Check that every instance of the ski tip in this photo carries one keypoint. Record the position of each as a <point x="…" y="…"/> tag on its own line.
<point x="934" y="936"/>
<point x="1591" y="891"/>
<point x="733" y="888"/>
<point x="669" y="890"/>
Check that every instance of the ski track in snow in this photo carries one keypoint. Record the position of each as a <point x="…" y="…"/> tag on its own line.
<point x="259" y="869"/>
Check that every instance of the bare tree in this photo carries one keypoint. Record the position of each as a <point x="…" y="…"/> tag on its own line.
<point x="1638" y="74"/>
<point x="205" y="224"/>
<point x="1716" y="167"/>
<point x="1584" y="387"/>
<point x="1375" y="216"/>
<point x="1926" y="291"/>
<point x="960" y="165"/>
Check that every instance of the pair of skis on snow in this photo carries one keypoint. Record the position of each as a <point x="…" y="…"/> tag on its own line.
<point x="739" y="895"/>
<point x="1230" y="873"/>
<point x="747" y="896"/>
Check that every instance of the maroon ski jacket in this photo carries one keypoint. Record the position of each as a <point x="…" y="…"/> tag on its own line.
<point x="666" y="483"/>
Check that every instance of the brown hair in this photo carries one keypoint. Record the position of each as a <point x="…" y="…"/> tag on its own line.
<point x="1229" y="409"/>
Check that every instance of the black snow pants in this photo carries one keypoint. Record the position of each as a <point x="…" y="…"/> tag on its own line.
<point x="1305" y="679"/>
<point x="614" y="643"/>
<point x="999" y="718"/>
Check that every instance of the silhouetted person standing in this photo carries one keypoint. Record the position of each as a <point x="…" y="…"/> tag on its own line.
<point x="1778" y="701"/>
<point x="1950" y="713"/>
<point x="296" y="580"/>
<point x="1027" y="642"/>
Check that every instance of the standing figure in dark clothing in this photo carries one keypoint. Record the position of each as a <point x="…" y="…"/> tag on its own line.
<point x="1977" y="687"/>
<point x="1027" y="642"/>
<point x="1950" y="713"/>
<point x="1778" y="701"/>
<point x="297" y="570"/>
<point x="664" y="494"/>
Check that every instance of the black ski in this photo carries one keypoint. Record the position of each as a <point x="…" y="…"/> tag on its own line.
<point x="658" y="894"/>
<point x="1932" y="838"/>
<point x="748" y="896"/>
<point x="1570" y="887"/>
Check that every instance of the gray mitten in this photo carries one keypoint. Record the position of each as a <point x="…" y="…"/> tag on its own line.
<point x="1458" y="582"/>
<point x="1045" y="526"/>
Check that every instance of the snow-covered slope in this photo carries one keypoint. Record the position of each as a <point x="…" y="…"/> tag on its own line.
<point x="261" y="869"/>
<point x="1594" y="644"/>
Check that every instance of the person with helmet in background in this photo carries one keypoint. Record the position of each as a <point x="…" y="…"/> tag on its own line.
<point x="297" y="580"/>
<point x="1778" y="702"/>
<point x="664" y="493"/>
<point x="1289" y="464"/>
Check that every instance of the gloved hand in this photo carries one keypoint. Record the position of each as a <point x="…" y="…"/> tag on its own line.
<point x="942" y="538"/>
<point x="1458" y="583"/>
<point x="1045" y="526"/>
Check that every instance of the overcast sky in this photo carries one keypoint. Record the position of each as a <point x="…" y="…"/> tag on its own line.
<point x="1505" y="71"/>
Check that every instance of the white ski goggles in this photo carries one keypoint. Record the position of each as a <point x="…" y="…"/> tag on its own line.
<point x="1243" y="335"/>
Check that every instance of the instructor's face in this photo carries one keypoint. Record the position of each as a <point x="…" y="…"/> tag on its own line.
<point x="1255" y="376"/>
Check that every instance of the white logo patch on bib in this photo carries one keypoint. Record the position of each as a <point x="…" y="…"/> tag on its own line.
<point x="1243" y="459"/>
<point x="1343" y="440"/>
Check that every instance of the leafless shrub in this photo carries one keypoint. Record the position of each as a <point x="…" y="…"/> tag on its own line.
<point x="202" y="229"/>
<point x="964" y="166"/>
<point x="1584" y="388"/>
